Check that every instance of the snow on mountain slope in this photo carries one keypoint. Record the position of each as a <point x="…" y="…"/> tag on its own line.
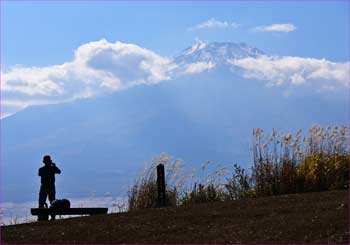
<point x="216" y="52"/>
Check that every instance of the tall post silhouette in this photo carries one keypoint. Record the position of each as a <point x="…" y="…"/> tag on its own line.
<point x="161" y="185"/>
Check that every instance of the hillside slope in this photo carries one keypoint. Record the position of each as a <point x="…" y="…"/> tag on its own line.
<point x="297" y="218"/>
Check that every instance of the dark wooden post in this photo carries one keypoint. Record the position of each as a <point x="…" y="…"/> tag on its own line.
<point x="161" y="185"/>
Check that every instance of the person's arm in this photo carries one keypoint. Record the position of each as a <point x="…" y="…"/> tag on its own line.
<point x="39" y="172"/>
<point x="57" y="170"/>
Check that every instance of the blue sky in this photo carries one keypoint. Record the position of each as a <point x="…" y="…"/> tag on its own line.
<point x="47" y="47"/>
<point x="47" y="33"/>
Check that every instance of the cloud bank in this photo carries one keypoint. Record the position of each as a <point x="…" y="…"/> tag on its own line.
<point x="295" y="71"/>
<point x="98" y="68"/>
<point x="276" y="28"/>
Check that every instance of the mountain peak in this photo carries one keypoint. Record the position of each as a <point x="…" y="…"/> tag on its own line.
<point x="198" y="45"/>
<point x="217" y="52"/>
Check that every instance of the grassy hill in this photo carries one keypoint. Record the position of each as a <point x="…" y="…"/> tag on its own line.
<point x="318" y="217"/>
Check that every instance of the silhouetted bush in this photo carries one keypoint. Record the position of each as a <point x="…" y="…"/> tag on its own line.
<point x="206" y="185"/>
<point x="202" y="194"/>
<point x="240" y="185"/>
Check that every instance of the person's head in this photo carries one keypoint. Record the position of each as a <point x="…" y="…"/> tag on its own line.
<point x="47" y="160"/>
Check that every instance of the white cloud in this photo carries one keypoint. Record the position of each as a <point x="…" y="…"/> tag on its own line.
<point x="276" y="28"/>
<point x="98" y="68"/>
<point x="199" y="67"/>
<point x="295" y="71"/>
<point x="213" y="23"/>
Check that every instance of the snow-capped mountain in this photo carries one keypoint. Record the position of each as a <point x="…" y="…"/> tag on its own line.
<point x="216" y="52"/>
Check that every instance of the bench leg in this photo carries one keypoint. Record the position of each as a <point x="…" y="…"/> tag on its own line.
<point x="43" y="217"/>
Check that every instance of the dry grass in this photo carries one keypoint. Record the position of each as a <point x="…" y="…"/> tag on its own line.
<point x="285" y="164"/>
<point x="282" y="164"/>
<point x="143" y="194"/>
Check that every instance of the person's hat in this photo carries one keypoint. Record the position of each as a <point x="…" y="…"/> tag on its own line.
<point x="46" y="159"/>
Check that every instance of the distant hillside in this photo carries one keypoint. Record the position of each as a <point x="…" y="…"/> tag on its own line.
<point x="321" y="217"/>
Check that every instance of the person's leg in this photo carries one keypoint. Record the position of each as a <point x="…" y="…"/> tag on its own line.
<point x="42" y="196"/>
<point x="52" y="197"/>
<point x="52" y="194"/>
<point x="42" y="200"/>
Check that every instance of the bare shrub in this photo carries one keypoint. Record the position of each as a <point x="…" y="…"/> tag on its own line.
<point x="144" y="194"/>
<point x="206" y="186"/>
<point x="240" y="185"/>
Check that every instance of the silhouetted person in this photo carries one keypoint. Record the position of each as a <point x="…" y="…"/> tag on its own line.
<point x="47" y="174"/>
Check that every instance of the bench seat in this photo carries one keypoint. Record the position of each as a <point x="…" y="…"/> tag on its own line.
<point x="67" y="211"/>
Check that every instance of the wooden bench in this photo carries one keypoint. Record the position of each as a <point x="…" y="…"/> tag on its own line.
<point x="43" y="213"/>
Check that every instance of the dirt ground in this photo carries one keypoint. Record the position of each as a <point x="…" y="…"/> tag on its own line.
<point x="321" y="217"/>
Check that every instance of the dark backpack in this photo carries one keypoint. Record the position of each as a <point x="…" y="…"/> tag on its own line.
<point x="61" y="204"/>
